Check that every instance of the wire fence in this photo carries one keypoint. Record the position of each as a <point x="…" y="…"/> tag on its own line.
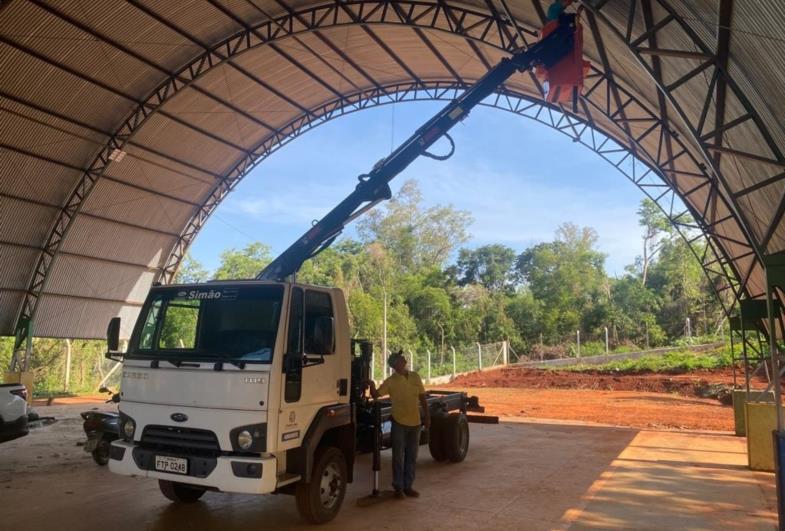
<point x="450" y="361"/>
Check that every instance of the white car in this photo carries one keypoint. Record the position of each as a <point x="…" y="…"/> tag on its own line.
<point x="13" y="411"/>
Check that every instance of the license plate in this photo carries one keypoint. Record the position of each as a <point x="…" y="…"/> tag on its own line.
<point x="174" y="465"/>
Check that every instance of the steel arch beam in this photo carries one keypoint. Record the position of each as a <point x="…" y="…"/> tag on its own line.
<point x="648" y="178"/>
<point x="487" y="28"/>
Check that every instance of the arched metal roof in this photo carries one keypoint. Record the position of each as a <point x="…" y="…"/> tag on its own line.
<point x="124" y="124"/>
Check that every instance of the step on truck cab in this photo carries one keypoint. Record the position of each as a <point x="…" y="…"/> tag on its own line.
<point x="254" y="387"/>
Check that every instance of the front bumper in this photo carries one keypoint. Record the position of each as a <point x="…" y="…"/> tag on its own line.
<point x="220" y="473"/>
<point x="14" y="429"/>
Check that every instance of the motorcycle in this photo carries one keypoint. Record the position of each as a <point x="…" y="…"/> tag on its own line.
<point x="101" y="428"/>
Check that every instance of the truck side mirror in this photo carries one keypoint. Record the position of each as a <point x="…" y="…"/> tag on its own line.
<point x="323" y="336"/>
<point x="113" y="335"/>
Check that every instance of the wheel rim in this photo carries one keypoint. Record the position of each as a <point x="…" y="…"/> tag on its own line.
<point x="463" y="438"/>
<point x="330" y="486"/>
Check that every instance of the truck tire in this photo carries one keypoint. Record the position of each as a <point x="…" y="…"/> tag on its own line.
<point x="320" y="500"/>
<point x="436" y="439"/>
<point x="456" y="437"/>
<point x="180" y="492"/>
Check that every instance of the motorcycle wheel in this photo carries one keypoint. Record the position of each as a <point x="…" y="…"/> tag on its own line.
<point x="101" y="452"/>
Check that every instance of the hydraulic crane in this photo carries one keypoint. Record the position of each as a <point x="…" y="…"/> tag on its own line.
<point x="556" y="47"/>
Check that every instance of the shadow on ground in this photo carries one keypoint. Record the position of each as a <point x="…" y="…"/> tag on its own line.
<point x="518" y="475"/>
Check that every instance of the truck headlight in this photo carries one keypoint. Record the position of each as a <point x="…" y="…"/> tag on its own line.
<point x="244" y="439"/>
<point x="129" y="427"/>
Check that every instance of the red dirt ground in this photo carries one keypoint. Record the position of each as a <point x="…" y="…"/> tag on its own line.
<point x="638" y="400"/>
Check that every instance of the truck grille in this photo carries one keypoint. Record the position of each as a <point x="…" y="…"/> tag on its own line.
<point x="178" y="439"/>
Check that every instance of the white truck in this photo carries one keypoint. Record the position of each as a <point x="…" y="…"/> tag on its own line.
<point x="13" y="411"/>
<point x="257" y="386"/>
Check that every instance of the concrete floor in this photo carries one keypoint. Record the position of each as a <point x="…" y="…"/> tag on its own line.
<point x="518" y="475"/>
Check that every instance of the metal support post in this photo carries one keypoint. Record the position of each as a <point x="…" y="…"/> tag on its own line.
<point x="67" y="364"/>
<point x="578" y="342"/>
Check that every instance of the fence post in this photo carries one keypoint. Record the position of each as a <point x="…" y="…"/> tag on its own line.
<point x="505" y="354"/>
<point x="688" y="330"/>
<point x="578" y="336"/>
<point x="67" y="364"/>
<point x="606" y="341"/>
<point x="373" y="365"/>
<point x="453" y="362"/>
<point x="429" y="365"/>
<point x="479" y="356"/>
<point x="411" y="360"/>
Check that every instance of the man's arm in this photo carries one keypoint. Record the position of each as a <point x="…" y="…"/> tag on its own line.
<point x="376" y="393"/>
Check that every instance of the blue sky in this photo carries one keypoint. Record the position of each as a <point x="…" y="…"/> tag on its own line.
<point x="519" y="179"/>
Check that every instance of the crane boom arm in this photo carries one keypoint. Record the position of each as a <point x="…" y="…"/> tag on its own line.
<point x="374" y="186"/>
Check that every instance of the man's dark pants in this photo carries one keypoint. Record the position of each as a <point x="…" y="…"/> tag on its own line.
<point x="405" y="443"/>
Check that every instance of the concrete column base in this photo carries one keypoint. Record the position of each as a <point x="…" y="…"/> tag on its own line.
<point x="739" y="399"/>
<point x="761" y="422"/>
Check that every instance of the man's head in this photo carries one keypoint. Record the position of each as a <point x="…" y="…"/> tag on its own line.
<point x="398" y="362"/>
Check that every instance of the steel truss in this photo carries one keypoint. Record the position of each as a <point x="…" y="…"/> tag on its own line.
<point x="657" y="16"/>
<point x="604" y="97"/>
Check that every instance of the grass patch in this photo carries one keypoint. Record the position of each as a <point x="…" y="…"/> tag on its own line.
<point x="673" y="363"/>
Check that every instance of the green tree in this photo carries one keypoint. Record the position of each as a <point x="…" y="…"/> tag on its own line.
<point x="567" y="277"/>
<point x="489" y="265"/>
<point x="415" y="236"/>
<point x="656" y="229"/>
<point x="244" y="263"/>
<point x="191" y="271"/>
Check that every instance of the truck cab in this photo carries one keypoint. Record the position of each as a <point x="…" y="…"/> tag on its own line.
<point x="239" y="386"/>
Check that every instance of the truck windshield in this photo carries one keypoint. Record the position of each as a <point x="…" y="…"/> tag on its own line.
<point x="209" y="324"/>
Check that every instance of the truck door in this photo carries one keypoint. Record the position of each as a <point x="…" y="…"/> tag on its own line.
<point x="309" y="388"/>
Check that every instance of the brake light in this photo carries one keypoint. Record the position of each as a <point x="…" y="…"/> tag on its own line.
<point x="22" y="393"/>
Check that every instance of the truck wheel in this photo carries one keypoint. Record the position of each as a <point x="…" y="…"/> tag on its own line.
<point x="456" y="438"/>
<point x="101" y="452"/>
<point x="180" y="492"/>
<point x="320" y="500"/>
<point x="436" y="440"/>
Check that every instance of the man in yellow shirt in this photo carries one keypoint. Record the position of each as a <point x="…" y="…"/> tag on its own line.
<point x="407" y="394"/>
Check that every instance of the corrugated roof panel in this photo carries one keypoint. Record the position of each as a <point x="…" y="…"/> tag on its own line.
<point x="79" y="276"/>
<point x="81" y="318"/>
<point x="10" y="302"/>
<point x="200" y="19"/>
<point x="232" y="85"/>
<point x="45" y="142"/>
<point x="15" y="266"/>
<point x="24" y="222"/>
<point x="115" y="201"/>
<point x="53" y="88"/>
<point x="215" y="117"/>
<point x="117" y="242"/>
<point x="179" y="141"/>
<point x="26" y="177"/>
<point x="141" y="167"/>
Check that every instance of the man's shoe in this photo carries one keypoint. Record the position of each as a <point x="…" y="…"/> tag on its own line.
<point x="411" y="493"/>
<point x="399" y="495"/>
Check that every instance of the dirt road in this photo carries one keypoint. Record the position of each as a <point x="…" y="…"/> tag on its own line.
<point x="676" y="401"/>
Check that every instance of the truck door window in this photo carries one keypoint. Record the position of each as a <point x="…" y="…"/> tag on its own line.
<point x="294" y="344"/>
<point x="317" y="304"/>
<point x="179" y="327"/>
